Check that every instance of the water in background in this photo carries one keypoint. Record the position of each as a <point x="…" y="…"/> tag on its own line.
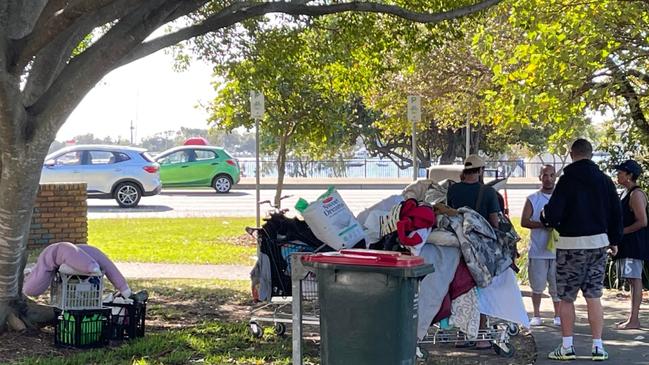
<point x="372" y="168"/>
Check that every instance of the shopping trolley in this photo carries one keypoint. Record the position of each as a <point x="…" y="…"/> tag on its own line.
<point x="497" y="332"/>
<point x="273" y="242"/>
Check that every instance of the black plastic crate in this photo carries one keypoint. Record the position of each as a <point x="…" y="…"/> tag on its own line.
<point x="82" y="328"/>
<point x="127" y="320"/>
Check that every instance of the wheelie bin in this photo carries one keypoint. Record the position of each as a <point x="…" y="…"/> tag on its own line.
<point x="368" y="306"/>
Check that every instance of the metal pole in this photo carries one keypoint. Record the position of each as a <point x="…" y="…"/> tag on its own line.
<point x="415" y="172"/>
<point x="257" y="172"/>
<point x="468" y="138"/>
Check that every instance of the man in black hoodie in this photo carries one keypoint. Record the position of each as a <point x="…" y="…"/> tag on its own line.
<point x="585" y="210"/>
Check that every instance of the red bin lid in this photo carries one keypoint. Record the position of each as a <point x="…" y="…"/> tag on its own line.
<point x="360" y="257"/>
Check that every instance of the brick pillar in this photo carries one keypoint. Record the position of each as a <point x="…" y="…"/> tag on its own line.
<point x="60" y="214"/>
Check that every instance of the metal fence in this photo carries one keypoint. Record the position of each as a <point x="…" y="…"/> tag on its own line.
<point x="375" y="168"/>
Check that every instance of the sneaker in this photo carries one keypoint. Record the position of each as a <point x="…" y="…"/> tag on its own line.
<point x="599" y="354"/>
<point x="557" y="321"/>
<point x="536" y="321"/>
<point x="561" y="353"/>
<point x="140" y="297"/>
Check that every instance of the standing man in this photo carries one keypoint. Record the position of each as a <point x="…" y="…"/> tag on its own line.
<point x="542" y="262"/>
<point x="585" y="210"/>
<point x="472" y="193"/>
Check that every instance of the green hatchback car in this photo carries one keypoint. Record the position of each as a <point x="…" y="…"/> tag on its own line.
<point x="194" y="166"/>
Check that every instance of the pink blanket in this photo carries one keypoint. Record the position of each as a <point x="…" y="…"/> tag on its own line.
<point x="82" y="258"/>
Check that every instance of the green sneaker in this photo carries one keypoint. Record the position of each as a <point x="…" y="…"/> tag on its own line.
<point x="599" y="354"/>
<point x="561" y="353"/>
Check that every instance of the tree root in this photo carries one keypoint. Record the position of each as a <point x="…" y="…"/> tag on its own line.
<point x="14" y="323"/>
<point x="24" y="314"/>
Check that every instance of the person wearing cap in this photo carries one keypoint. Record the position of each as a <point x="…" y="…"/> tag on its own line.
<point x="471" y="192"/>
<point x="585" y="210"/>
<point x="541" y="267"/>
<point x="634" y="248"/>
<point x="467" y="193"/>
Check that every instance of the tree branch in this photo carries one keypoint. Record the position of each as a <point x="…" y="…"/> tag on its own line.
<point x="241" y="11"/>
<point x="639" y="75"/>
<point x="55" y="19"/>
<point x="626" y="90"/>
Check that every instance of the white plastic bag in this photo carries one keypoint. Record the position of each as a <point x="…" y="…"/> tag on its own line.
<point x="331" y="220"/>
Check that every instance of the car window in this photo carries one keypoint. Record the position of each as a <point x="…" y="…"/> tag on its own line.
<point x="146" y="156"/>
<point x="69" y="159"/>
<point x="205" y="155"/>
<point x="121" y="157"/>
<point x="101" y="158"/>
<point x="176" y="157"/>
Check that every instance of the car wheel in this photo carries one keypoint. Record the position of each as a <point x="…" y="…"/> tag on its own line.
<point x="127" y="194"/>
<point x="222" y="184"/>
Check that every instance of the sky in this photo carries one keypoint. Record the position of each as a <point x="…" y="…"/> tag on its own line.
<point x="149" y="93"/>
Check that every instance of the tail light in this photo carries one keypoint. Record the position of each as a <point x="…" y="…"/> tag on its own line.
<point x="152" y="169"/>
<point x="231" y="162"/>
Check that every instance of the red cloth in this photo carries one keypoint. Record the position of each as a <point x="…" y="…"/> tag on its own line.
<point x="411" y="218"/>
<point x="462" y="283"/>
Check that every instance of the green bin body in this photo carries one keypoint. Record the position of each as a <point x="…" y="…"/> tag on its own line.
<point x="368" y="306"/>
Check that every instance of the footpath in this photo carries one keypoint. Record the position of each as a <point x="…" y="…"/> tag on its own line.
<point x="629" y="347"/>
<point x="360" y="183"/>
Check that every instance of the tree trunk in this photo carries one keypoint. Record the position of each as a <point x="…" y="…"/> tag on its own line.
<point x="20" y="164"/>
<point x="281" y="168"/>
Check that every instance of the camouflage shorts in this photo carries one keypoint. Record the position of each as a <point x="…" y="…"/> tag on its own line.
<point x="580" y="269"/>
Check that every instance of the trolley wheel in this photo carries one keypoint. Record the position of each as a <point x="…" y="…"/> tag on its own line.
<point x="422" y="354"/>
<point x="513" y="329"/>
<point x="280" y="329"/>
<point x="256" y="330"/>
<point x="504" y="349"/>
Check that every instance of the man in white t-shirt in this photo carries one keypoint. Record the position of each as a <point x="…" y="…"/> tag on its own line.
<point x="541" y="261"/>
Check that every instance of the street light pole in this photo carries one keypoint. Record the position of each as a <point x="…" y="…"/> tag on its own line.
<point x="415" y="165"/>
<point x="468" y="139"/>
<point x="257" y="173"/>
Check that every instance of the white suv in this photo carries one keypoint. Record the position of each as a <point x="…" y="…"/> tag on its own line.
<point x="123" y="173"/>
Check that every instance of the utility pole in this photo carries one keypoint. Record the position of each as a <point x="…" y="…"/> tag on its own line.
<point x="468" y="139"/>
<point x="414" y="116"/>
<point x="132" y="129"/>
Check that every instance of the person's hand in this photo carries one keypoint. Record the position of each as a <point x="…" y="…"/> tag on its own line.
<point x="612" y="250"/>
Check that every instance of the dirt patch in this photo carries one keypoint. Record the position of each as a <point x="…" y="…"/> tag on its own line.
<point x="243" y="240"/>
<point x="34" y="343"/>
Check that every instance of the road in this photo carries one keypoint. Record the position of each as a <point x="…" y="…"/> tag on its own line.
<point x="241" y="203"/>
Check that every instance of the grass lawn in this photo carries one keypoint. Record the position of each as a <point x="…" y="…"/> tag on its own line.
<point x="188" y="321"/>
<point x="175" y="240"/>
<point x="522" y="249"/>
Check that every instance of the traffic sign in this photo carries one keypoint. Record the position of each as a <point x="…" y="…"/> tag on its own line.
<point x="256" y="105"/>
<point x="414" y="108"/>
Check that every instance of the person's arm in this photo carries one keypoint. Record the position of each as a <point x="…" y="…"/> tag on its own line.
<point x="526" y="217"/>
<point x="552" y="214"/>
<point x="638" y="203"/>
<point x="493" y="220"/>
<point x="493" y="207"/>
<point x="449" y="196"/>
<point x="615" y="225"/>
